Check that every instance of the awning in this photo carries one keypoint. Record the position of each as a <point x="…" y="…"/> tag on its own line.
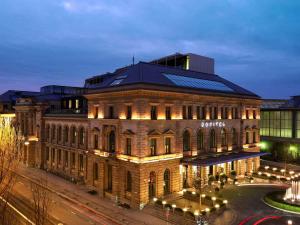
<point x="218" y="158"/>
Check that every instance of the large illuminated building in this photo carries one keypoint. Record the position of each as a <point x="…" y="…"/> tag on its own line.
<point x="145" y="130"/>
<point x="280" y="129"/>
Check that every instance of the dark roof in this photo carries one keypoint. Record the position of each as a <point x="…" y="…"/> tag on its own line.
<point x="220" y="158"/>
<point x="13" y="95"/>
<point x="153" y="74"/>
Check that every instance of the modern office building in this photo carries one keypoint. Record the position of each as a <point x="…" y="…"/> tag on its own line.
<point x="280" y="129"/>
<point x="145" y="130"/>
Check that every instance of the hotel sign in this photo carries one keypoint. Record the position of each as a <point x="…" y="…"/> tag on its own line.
<point x="212" y="124"/>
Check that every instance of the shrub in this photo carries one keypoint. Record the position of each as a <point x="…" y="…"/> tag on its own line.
<point x="233" y="173"/>
<point x="158" y="202"/>
<point x="211" y="178"/>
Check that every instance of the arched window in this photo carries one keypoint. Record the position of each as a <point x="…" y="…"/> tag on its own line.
<point x="59" y="133"/>
<point x="73" y="135"/>
<point x="81" y="136"/>
<point x="167" y="182"/>
<point x="234" y="136"/>
<point x="112" y="142"/>
<point x="223" y="137"/>
<point x="212" y="139"/>
<point x="128" y="182"/>
<point x="66" y="134"/>
<point x="186" y="141"/>
<point x="200" y="140"/>
<point x="152" y="185"/>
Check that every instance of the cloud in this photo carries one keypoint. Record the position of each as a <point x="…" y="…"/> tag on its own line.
<point x="75" y="6"/>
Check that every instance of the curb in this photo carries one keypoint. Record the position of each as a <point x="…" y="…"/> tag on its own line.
<point x="274" y="207"/>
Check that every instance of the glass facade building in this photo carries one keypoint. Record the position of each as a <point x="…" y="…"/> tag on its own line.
<point x="280" y="129"/>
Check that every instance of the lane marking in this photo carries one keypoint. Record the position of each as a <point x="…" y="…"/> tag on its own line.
<point x="16" y="210"/>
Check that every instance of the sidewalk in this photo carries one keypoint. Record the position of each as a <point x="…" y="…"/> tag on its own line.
<point x="78" y="194"/>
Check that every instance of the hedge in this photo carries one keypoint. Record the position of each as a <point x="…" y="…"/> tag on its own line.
<point x="272" y="199"/>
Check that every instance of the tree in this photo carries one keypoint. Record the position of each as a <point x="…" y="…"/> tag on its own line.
<point x="10" y="156"/>
<point x="41" y="201"/>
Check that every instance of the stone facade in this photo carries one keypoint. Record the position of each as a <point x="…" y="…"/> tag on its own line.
<point x="130" y="145"/>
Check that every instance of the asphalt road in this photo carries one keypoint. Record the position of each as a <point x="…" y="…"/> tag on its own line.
<point x="61" y="210"/>
<point x="246" y="207"/>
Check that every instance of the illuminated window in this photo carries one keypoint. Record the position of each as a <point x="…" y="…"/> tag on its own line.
<point x="186" y="141"/>
<point x="200" y="140"/>
<point x="223" y="137"/>
<point x="153" y="112"/>
<point x="128" y="146"/>
<point x="80" y="162"/>
<point x="168" y="112"/>
<point x="167" y="145"/>
<point x="70" y="104"/>
<point x="212" y="139"/>
<point x="234" y="136"/>
<point x="153" y="146"/>
<point x="73" y="135"/>
<point x="81" y="136"/>
<point x="76" y="103"/>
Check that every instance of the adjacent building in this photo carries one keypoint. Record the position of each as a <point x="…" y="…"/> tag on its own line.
<point x="280" y="129"/>
<point x="145" y="130"/>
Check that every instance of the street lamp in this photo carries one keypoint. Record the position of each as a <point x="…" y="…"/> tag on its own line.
<point x="289" y="222"/>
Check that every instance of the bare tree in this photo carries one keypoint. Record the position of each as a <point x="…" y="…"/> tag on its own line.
<point x="10" y="156"/>
<point x="41" y="201"/>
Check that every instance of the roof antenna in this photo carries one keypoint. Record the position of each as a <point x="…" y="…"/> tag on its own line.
<point x="133" y="60"/>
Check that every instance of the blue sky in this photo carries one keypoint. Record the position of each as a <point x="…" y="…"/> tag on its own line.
<point x="255" y="43"/>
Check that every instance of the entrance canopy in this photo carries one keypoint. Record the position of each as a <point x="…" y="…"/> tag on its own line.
<point x="218" y="158"/>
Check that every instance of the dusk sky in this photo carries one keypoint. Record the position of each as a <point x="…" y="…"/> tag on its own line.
<point x="255" y="44"/>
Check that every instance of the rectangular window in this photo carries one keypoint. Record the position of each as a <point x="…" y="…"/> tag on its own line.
<point x="129" y="112"/>
<point x="254" y="114"/>
<point x="215" y="113"/>
<point x="247" y="113"/>
<point x="59" y="156"/>
<point x="47" y="153"/>
<point x="96" y="145"/>
<point x="190" y="112"/>
<point x="198" y="112"/>
<point x="168" y="112"/>
<point x="70" y="104"/>
<point x="153" y="146"/>
<point x="96" y="112"/>
<point x="184" y="116"/>
<point x="222" y="113"/>
<point x="226" y="113"/>
<point x="73" y="159"/>
<point x="77" y="104"/>
<point x="168" y="145"/>
<point x="81" y="162"/>
<point x="254" y="137"/>
<point x="128" y="146"/>
<point x="66" y="158"/>
<point x="111" y="112"/>
<point x="153" y="112"/>
<point x="203" y="113"/>
<point x="53" y="155"/>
